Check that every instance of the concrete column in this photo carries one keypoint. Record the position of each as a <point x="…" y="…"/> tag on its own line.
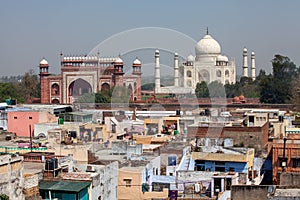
<point x="176" y="70"/>
<point x="253" y="65"/>
<point x="157" y="72"/>
<point x="245" y="63"/>
<point x="222" y="185"/>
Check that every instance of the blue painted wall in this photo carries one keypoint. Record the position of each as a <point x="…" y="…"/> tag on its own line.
<point x="215" y="166"/>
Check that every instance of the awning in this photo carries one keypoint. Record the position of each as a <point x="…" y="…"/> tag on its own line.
<point x="70" y="186"/>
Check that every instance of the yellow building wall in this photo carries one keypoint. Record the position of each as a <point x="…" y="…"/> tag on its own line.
<point x="248" y="157"/>
<point x="135" y="190"/>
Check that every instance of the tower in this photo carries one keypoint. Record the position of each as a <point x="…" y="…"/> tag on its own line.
<point x="253" y="65"/>
<point x="44" y="83"/>
<point x="176" y="70"/>
<point x="136" y="67"/>
<point x="118" y="72"/>
<point x="136" y="70"/>
<point x="157" y="72"/>
<point x="245" y="63"/>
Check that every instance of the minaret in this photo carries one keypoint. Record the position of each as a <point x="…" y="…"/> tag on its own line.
<point x="118" y="72"/>
<point x="253" y="65"/>
<point x="44" y="82"/>
<point x="176" y="70"/>
<point x="157" y="72"/>
<point x="136" y="70"/>
<point x="245" y="63"/>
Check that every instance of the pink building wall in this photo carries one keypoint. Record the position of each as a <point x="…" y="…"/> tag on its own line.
<point x="19" y="121"/>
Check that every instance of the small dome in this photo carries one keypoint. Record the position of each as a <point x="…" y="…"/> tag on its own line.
<point x="156" y="51"/>
<point x="236" y="99"/>
<point x="222" y="58"/>
<point x="44" y="62"/>
<point x="190" y="58"/>
<point x="207" y="45"/>
<point x="137" y="61"/>
<point x="118" y="60"/>
<point x="241" y="97"/>
<point x="245" y="50"/>
<point x="252" y="53"/>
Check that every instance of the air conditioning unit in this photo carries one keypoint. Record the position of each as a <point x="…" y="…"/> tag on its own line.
<point x="90" y="168"/>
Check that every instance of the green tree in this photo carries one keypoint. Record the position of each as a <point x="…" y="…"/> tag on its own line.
<point x="120" y="94"/>
<point x="8" y="91"/>
<point x="284" y="71"/>
<point x="28" y="87"/>
<point x="267" y="90"/>
<point x="277" y="88"/>
<point x="4" y="197"/>
<point x="216" y="90"/>
<point x="296" y="92"/>
<point x="201" y="90"/>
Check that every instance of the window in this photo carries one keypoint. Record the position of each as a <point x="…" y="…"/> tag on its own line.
<point x="188" y="73"/>
<point x="227" y="73"/>
<point x="296" y="162"/>
<point x="127" y="182"/>
<point x="30" y="117"/>
<point x="15" y="117"/>
<point x="218" y="73"/>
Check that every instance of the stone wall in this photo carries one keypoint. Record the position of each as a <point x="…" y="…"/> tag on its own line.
<point x="11" y="176"/>
<point x="249" y="192"/>
<point x="290" y="179"/>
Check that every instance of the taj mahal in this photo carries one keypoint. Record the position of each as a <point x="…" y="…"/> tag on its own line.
<point x="208" y="64"/>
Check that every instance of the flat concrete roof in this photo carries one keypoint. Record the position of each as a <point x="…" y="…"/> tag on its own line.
<point x="33" y="167"/>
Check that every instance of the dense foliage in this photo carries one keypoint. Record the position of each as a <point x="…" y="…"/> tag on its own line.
<point x="26" y="88"/>
<point x="281" y="86"/>
<point x="118" y="94"/>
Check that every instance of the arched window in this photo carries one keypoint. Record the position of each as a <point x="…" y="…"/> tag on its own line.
<point x="105" y="87"/>
<point x="219" y="73"/>
<point x="55" y="89"/>
<point x="188" y="73"/>
<point x="79" y="87"/>
<point x="227" y="73"/>
<point x="55" y="101"/>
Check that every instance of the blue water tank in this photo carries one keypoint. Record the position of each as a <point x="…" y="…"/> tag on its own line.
<point x="55" y="163"/>
<point x="49" y="165"/>
<point x="172" y="161"/>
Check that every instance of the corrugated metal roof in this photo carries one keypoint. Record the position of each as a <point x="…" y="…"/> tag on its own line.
<point x="70" y="186"/>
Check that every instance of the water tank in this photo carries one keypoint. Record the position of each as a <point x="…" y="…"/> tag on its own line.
<point x="8" y="101"/>
<point x="55" y="163"/>
<point x="73" y="134"/>
<point x="49" y="165"/>
<point x="171" y="160"/>
<point x="60" y="120"/>
<point x="13" y="102"/>
<point x="281" y="118"/>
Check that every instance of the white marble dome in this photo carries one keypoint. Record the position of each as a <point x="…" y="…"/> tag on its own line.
<point x="207" y="45"/>
<point x="190" y="58"/>
<point x="118" y="60"/>
<point x="222" y="58"/>
<point x="137" y="61"/>
<point x="44" y="62"/>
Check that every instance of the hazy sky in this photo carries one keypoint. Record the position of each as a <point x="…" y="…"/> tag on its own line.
<point x="31" y="30"/>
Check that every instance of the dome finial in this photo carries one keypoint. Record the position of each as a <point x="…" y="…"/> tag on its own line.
<point x="206" y="30"/>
